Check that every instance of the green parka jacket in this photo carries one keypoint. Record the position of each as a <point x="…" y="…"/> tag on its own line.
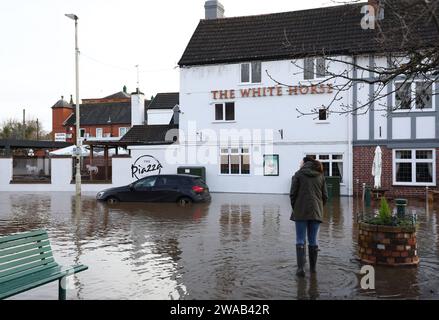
<point x="308" y="193"/>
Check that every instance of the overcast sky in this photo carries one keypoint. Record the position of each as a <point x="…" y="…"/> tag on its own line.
<point x="37" y="47"/>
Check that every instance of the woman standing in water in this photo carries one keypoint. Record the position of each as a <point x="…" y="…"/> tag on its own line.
<point x="308" y="196"/>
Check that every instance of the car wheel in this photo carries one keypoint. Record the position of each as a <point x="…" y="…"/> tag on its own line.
<point x="184" y="201"/>
<point x="112" y="200"/>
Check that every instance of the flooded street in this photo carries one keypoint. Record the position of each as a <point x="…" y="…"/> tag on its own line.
<point x="237" y="247"/>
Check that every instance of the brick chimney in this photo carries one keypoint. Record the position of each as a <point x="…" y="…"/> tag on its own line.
<point x="214" y="10"/>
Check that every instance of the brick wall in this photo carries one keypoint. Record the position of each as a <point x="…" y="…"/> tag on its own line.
<point x="362" y="167"/>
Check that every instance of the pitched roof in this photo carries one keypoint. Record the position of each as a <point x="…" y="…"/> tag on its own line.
<point x="328" y="30"/>
<point x="151" y="134"/>
<point x="165" y="101"/>
<point x="42" y="144"/>
<point x="119" y="95"/>
<point x="62" y="104"/>
<point x="100" y="113"/>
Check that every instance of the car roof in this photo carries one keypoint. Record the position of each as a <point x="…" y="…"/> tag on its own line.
<point x="176" y="175"/>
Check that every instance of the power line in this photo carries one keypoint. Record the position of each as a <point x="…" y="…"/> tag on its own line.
<point x="125" y="68"/>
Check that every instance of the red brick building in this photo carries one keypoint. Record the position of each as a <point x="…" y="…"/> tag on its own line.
<point x="108" y="117"/>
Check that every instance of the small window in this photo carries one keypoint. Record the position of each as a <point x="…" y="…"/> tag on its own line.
<point x="99" y="132"/>
<point x="123" y="131"/>
<point x="321" y="68"/>
<point x="314" y="68"/>
<point x="308" y="68"/>
<point x="256" y="72"/>
<point x="323" y="114"/>
<point x="82" y="133"/>
<point x="245" y="72"/>
<point x="403" y="95"/>
<point x="230" y="111"/>
<point x="251" y="72"/>
<point x="219" y="112"/>
<point x="225" y="111"/>
<point x="424" y="95"/>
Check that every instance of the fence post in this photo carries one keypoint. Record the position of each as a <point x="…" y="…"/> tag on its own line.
<point x="427" y="203"/>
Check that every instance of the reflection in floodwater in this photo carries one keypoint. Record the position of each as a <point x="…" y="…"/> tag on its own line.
<point x="237" y="247"/>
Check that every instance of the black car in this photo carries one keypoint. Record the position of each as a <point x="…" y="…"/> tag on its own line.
<point x="180" y="188"/>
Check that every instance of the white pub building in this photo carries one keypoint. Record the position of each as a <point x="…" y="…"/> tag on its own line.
<point x="245" y="83"/>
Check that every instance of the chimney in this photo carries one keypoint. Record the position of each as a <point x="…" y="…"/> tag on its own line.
<point x="137" y="108"/>
<point x="379" y="8"/>
<point x="214" y="10"/>
<point x="124" y="89"/>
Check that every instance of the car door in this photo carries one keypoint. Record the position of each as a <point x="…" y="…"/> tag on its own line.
<point x="143" y="190"/>
<point x="166" y="189"/>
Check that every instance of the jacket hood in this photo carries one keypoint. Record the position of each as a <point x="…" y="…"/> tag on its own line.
<point x="311" y="169"/>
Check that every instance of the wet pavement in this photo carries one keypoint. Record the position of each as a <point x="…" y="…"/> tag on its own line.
<point x="237" y="247"/>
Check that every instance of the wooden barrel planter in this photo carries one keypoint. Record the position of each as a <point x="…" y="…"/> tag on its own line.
<point x="387" y="245"/>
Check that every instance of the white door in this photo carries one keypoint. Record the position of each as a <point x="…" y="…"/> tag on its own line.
<point x="99" y="132"/>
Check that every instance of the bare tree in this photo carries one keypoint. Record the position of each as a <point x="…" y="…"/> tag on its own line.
<point x="406" y="33"/>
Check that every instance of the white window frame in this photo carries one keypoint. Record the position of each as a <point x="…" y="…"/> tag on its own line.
<point x="120" y="131"/>
<point x="413" y="161"/>
<point x="331" y="161"/>
<point x="250" y="73"/>
<point x="314" y="71"/>
<point x="224" y="112"/>
<point x="318" y="121"/>
<point x="240" y="154"/>
<point x="102" y="132"/>
<point x="413" y="97"/>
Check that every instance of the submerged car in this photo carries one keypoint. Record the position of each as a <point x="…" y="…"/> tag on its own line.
<point x="180" y="188"/>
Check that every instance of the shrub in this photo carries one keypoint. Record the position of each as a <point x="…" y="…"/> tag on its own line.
<point x="385" y="214"/>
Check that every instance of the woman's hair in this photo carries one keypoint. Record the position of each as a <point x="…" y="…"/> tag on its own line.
<point x="307" y="159"/>
<point x="318" y="166"/>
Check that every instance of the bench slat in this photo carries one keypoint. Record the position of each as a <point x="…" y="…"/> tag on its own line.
<point x="38" y="279"/>
<point x="26" y="260"/>
<point x="26" y="267"/>
<point x="19" y="242"/>
<point x="27" y="272"/>
<point x="6" y="252"/>
<point x="22" y="235"/>
<point x="30" y="253"/>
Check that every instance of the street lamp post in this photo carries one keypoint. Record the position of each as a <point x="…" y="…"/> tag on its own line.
<point x="78" y="135"/>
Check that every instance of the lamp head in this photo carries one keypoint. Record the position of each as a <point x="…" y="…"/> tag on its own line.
<point x="71" y="16"/>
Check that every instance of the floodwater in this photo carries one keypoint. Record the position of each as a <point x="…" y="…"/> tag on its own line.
<point x="237" y="247"/>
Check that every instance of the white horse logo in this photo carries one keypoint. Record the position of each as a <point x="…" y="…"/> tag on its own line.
<point x="92" y="169"/>
<point x="31" y="169"/>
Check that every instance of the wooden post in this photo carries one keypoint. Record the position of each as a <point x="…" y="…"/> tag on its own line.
<point x="91" y="162"/>
<point x="106" y="162"/>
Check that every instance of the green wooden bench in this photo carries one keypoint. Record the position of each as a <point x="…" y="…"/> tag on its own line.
<point x="26" y="262"/>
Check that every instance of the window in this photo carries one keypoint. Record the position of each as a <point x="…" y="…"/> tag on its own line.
<point x="413" y="95"/>
<point x="145" y="183"/>
<point x="168" y="181"/>
<point x="235" y="161"/>
<point x="99" y="132"/>
<point x="82" y="133"/>
<point x="414" y="167"/>
<point x="123" y="131"/>
<point x="314" y="68"/>
<point x="251" y="72"/>
<point x="225" y="111"/>
<point x="332" y="164"/>
<point x="323" y="114"/>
